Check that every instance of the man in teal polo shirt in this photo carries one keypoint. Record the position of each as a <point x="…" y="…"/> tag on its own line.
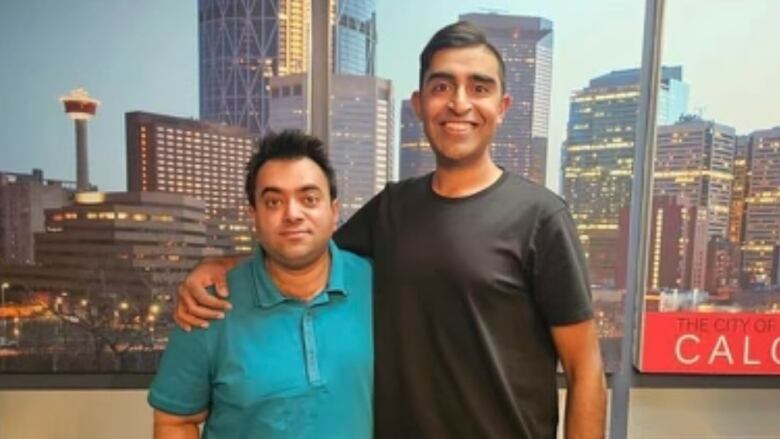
<point x="294" y="359"/>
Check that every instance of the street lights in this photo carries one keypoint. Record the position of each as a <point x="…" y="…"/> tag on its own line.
<point x="4" y="287"/>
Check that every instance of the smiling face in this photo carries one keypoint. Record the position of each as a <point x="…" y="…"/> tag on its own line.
<point x="461" y="104"/>
<point x="294" y="215"/>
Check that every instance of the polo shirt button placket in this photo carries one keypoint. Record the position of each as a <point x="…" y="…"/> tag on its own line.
<point x="310" y="348"/>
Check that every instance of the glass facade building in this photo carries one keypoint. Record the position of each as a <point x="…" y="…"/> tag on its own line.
<point x="598" y="154"/>
<point x="242" y="44"/>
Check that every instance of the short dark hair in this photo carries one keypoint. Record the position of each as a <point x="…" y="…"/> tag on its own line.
<point x="454" y="36"/>
<point x="288" y="145"/>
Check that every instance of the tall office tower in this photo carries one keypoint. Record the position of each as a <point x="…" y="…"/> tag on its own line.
<point x="598" y="154"/>
<point x="694" y="162"/>
<point x="201" y="159"/>
<point x="361" y="134"/>
<point x="354" y="37"/>
<point x="416" y="156"/>
<point x="762" y="216"/>
<point x="244" y="43"/>
<point x="739" y="188"/>
<point x="678" y="245"/>
<point x="23" y="200"/>
<point x="526" y="45"/>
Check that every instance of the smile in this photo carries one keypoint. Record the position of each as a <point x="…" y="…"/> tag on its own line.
<point x="458" y="127"/>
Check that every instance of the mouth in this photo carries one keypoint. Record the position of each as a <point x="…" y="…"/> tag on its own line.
<point x="458" y="127"/>
<point x="294" y="234"/>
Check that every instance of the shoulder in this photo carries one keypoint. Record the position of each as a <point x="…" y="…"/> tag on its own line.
<point x="407" y="187"/>
<point x="241" y="282"/>
<point x="532" y="202"/>
<point x="355" y="263"/>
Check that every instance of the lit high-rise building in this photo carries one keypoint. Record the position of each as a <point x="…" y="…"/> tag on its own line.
<point x="203" y="160"/>
<point x="762" y="216"/>
<point x="678" y="245"/>
<point x="361" y="134"/>
<point x="416" y="157"/>
<point x="598" y="155"/>
<point x="244" y="43"/>
<point x="526" y="45"/>
<point x="739" y="189"/>
<point x="23" y="200"/>
<point x="694" y="162"/>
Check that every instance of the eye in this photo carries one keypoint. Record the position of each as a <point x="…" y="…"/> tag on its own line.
<point x="439" y="87"/>
<point x="311" y="200"/>
<point x="271" y="203"/>
<point x="481" y="89"/>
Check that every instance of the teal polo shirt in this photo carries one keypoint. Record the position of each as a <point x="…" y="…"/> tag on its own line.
<point x="276" y="367"/>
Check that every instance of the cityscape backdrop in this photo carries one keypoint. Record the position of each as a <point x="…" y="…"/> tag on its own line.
<point x="96" y="231"/>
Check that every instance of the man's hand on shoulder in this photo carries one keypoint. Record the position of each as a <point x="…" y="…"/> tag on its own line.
<point x="195" y="306"/>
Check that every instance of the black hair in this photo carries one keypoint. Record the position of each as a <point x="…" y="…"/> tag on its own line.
<point x="459" y="35"/>
<point x="288" y="145"/>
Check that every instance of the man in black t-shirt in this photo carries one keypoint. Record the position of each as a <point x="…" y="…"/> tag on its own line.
<point x="480" y="282"/>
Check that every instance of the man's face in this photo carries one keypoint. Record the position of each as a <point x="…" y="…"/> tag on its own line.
<point x="461" y="104"/>
<point x="294" y="215"/>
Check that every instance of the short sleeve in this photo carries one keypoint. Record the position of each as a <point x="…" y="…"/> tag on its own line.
<point x="182" y="385"/>
<point x="356" y="235"/>
<point x="560" y="275"/>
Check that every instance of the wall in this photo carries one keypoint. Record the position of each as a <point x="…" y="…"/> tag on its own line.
<point x="655" y="414"/>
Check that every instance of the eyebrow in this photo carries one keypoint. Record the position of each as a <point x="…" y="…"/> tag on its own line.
<point x="478" y="77"/>
<point x="276" y="190"/>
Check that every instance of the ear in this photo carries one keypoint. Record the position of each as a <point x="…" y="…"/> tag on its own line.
<point x="335" y="207"/>
<point x="506" y="102"/>
<point x="416" y="104"/>
<point x="250" y="211"/>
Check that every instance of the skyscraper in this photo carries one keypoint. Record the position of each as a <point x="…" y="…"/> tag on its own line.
<point x="354" y="37"/>
<point x="361" y="135"/>
<point x="526" y="45"/>
<point x="739" y="190"/>
<point x="244" y="43"/>
<point x="598" y="155"/>
<point x="694" y="162"/>
<point x="678" y="245"/>
<point x="201" y="159"/>
<point x="762" y="217"/>
<point x="416" y="155"/>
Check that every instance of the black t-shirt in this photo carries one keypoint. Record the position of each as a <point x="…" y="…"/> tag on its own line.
<point x="466" y="290"/>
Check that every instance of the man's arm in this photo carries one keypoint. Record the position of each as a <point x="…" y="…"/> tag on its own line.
<point x="356" y="235"/>
<point x="169" y="426"/>
<point x="195" y="306"/>
<point x="586" y="396"/>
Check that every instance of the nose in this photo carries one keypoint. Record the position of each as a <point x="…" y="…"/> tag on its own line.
<point x="293" y="212"/>
<point x="460" y="102"/>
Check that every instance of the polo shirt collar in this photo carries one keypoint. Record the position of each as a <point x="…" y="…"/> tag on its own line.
<point x="268" y="295"/>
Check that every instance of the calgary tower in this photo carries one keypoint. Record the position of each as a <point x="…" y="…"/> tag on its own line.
<point x="81" y="108"/>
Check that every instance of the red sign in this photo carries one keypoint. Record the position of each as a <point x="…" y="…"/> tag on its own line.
<point x="711" y="343"/>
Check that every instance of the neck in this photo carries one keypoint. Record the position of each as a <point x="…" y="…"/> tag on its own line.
<point x="462" y="181"/>
<point x="300" y="283"/>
